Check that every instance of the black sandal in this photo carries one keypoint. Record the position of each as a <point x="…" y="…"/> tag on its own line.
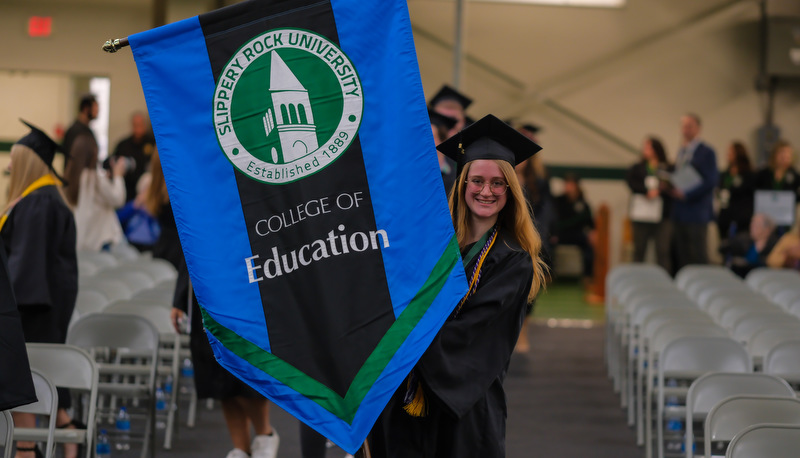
<point x="37" y="453"/>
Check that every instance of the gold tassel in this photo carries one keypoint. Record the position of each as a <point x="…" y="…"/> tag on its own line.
<point x="417" y="407"/>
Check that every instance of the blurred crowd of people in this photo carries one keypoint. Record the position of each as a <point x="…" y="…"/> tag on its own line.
<point x="672" y="204"/>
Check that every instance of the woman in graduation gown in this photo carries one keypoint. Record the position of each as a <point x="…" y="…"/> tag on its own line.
<point x="453" y="403"/>
<point x="38" y="235"/>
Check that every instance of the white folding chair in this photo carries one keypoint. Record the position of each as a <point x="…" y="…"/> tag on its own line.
<point x="689" y="358"/>
<point x="131" y="373"/>
<point x="766" y="440"/>
<point x="655" y="344"/>
<point x="733" y="414"/>
<point x="72" y="368"/>
<point x="169" y="354"/>
<point x="6" y="432"/>
<point x="710" y="389"/>
<point x="47" y="405"/>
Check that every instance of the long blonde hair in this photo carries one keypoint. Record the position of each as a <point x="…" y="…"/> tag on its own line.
<point x="156" y="195"/>
<point x="514" y="217"/>
<point x="26" y="167"/>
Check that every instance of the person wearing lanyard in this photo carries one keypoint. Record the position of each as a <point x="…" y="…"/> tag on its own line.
<point x="37" y="230"/>
<point x="452" y="403"/>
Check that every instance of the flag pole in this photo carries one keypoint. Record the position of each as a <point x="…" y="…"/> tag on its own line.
<point x="115" y="45"/>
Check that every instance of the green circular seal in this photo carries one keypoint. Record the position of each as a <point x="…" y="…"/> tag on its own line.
<point x="287" y="104"/>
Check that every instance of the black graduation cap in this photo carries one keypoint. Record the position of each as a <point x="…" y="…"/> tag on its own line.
<point x="448" y="93"/>
<point x="488" y="138"/>
<point x="440" y="120"/>
<point x="41" y="144"/>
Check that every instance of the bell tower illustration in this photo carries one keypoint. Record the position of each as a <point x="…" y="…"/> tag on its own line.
<point x="290" y="114"/>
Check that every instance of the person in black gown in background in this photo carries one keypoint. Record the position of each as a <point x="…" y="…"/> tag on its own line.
<point x="440" y="126"/>
<point x="453" y="404"/>
<point x="38" y="234"/>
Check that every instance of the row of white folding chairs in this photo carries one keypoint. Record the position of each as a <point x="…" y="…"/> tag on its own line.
<point x="666" y="316"/>
<point x="699" y="283"/>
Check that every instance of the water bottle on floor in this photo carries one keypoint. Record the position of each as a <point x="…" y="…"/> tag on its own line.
<point x="161" y="407"/>
<point x="103" y="445"/>
<point x="123" y="441"/>
<point x="187" y="376"/>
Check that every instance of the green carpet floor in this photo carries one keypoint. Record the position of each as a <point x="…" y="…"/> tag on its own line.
<point x="564" y="300"/>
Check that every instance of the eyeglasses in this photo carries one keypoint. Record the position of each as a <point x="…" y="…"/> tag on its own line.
<point x="497" y="187"/>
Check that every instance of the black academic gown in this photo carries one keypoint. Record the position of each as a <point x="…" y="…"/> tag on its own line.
<point x="16" y="385"/>
<point x="462" y="371"/>
<point x="39" y="239"/>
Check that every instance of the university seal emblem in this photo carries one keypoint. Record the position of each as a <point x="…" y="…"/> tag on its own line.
<point x="287" y="104"/>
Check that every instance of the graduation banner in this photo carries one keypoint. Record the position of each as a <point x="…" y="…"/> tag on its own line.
<point x="301" y="168"/>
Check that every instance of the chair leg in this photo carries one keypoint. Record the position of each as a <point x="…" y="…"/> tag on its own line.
<point x="192" y="415"/>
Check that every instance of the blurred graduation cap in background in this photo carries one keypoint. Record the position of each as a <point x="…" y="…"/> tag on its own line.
<point x="42" y="145"/>
<point x="440" y="120"/>
<point x="488" y="138"/>
<point x="448" y="93"/>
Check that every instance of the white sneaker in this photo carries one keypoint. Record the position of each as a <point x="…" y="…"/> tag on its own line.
<point x="264" y="446"/>
<point x="237" y="453"/>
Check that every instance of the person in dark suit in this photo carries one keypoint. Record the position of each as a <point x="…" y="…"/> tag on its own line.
<point x="692" y="206"/>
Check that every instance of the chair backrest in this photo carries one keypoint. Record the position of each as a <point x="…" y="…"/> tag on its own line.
<point x="766" y="440"/>
<point x="657" y="318"/>
<point x="124" y="252"/>
<point x="783" y="359"/>
<point x="87" y="267"/>
<point x="731" y="316"/>
<point x="157" y="315"/>
<point x="695" y="287"/>
<point x="772" y="288"/>
<point x="724" y="301"/>
<point x="634" y="289"/>
<point x="114" y="289"/>
<point x="744" y="329"/>
<point x="90" y="301"/>
<point x="709" y="293"/>
<point x="731" y="415"/>
<point x="640" y="313"/>
<point x="702" y="354"/>
<point x="156" y="296"/>
<point x="6" y="432"/>
<point x="786" y="297"/>
<point x="130" y="276"/>
<point x="670" y="332"/>
<point x="699" y="271"/>
<point x="115" y="331"/>
<point x="760" y="275"/>
<point x="764" y="339"/>
<point x="708" y="390"/>
<point x="46" y="404"/>
<point x="100" y="259"/>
